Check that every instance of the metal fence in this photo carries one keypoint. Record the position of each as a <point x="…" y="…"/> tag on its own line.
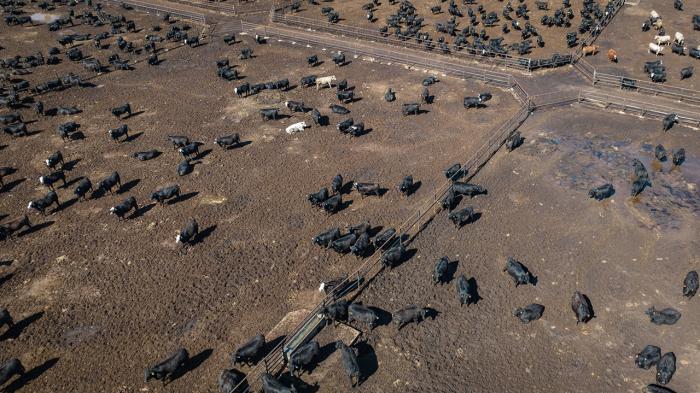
<point x="598" y="99"/>
<point x="229" y="7"/>
<point x="162" y="10"/>
<point x="387" y="53"/>
<point x="635" y="85"/>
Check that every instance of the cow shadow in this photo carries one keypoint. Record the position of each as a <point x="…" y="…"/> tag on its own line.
<point x="35" y="228"/>
<point x="343" y="205"/>
<point x="76" y="136"/>
<point x="272" y="344"/>
<point x="126" y="187"/>
<point x="346" y="188"/>
<point x="3" y="216"/>
<point x="30" y="375"/>
<point x="133" y="137"/>
<point x="192" y="363"/>
<point x="451" y="271"/>
<point x="134" y="114"/>
<point x="239" y="145"/>
<point x="183" y="197"/>
<point x="414" y="188"/>
<point x="367" y="359"/>
<point x="384" y="316"/>
<point x="19" y="326"/>
<point x="202" y="154"/>
<point x="203" y="234"/>
<point x="473" y="291"/>
<point x="143" y="210"/>
<point x="325" y="352"/>
<point x="588" y="301"/>
<point x="68" y="166"/>
<point x="431" y="313"/>
<point x="65" y="205"/>
<point x="72" y="181"/>
<point x="300" y="385"/>
<point x="7" y="187"/>
<point x="6" y="278"/>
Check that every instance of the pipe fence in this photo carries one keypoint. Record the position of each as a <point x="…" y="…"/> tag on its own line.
<point x="162" y="10"/>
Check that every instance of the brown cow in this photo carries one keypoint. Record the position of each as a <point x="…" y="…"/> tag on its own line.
<point x="590" y="50"/>
<point x="612" y="55"/>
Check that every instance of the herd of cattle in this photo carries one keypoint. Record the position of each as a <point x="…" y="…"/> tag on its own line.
<point x="477" y="36"/>
<point x="656" y="69"/>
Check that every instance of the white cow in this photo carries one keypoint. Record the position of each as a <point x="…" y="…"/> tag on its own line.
<point x="679" y="38"/>
<point x="296" y="127"/>
<point x="656" y="49"/>
<point x="654" y="15"/>
<point x="662" y="39"/>
<point x="326" y="80"/>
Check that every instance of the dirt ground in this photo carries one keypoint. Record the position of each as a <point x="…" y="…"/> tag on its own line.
<point x="92" y="293"/>
<point x="625" y="254"/>
<point x="625" y="35"/>
<point x="554" y="37"/>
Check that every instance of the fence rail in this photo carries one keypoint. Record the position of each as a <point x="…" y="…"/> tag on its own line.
<point x="162" y="10"/>
<point x="386" y="53"/>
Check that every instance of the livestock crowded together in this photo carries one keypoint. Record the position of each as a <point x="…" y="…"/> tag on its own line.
<point x="134" y="177"/>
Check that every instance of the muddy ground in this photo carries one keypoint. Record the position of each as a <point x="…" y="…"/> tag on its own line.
<point x="625" y="254"/>
<point x="554" y="37"/>
<point x="93" y="292"/>
<point x="625" y="35"/>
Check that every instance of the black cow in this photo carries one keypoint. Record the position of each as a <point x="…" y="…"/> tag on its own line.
<point x="461" y="217"/>
<point x="362" y="314"/>
<point x="124" y="109"/>
<point x="686" y="72"/>
<point x="84" y="186"/>
<point x="6" y="318"/>
<point x="163" y="194"/>
<point x="467" y="189"/>
<point x="409" y="314"/>
<point x="390" y="95"/>
<point x="678" y="156"/>
<point x="109" y="182"/>
<point x="308" y="81"/>
<point x="121" y="131"/>
<point x="345" y="96"/>
<point x="337" y="109"/>
<point x="249" y="352"/>
<point x="601" y="192"/>
<point x="430" y="80"/>
<point x="269" y="114"/>
<point x="361" y="246"/>
<point x="338" y="59"/>
<point x="440" y="271"/>
<point x="654" y="388"/>
<point x="665" y="368"/>
<point x="229" y="39"/>
<point x="242" y="90"/>
<point x="667" y="316"/>
<point x="8" y="229"/>
<point x="169" y="367"/>
<point x="518" y="271"/>
<point x="14" y="117"/>
<point x="350" y="363"/>
<point x="178" y="141"/>
<point x="690" y="284"/>
<point x="582" y="307"/>
<point x="189" y="233"/>
<point x="312" y="60"/>
<point x="228" y="141"/>
<point x="342" y="244"/>
<point x="337" y="311"/>
<point x="303" y="357"/>
<point x="324" y="239"/>
<point x="191" y="149"/>
<point x="319" y="197"/>
<point x="454" y="172"/>
<point x="332" y="204"/>
<point x="410" y="109"/>
<point x="67" y="110"/>
<point x="126" y="206"/>
<point x="229" y="380"/>
<point x="660" y="153"/>
<point x="394" y="255"/>
<point x="529" y="313"/>
<point x="52" y="178"/>
<point x="366" y="189"/>
<point x="669" y="121"/>
<point x="359" y="229"/>
<point x="295" y="106"/>
<point x="648" y="357"/>
<point x="16" y="130"/>
<point x="514" y="141"/>
<point x="10" y="368"/>
<point x="66" y="129"/>
<point x="344" y="125"/>
<point x="382" y="239"/>
<point x="184" y="167"/>
<point x="677" y="48"/>
<point x="406" y="186"/>
<point x="466" y="290"/>
<point x="146" y="155"/>
<point x="337" y="183"/>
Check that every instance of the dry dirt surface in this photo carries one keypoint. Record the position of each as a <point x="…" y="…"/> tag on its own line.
<point x="625" y="35"/>
<point x="351" y="14"/>
<point x="97" y="299"/>
<point x="625" y="254"/>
